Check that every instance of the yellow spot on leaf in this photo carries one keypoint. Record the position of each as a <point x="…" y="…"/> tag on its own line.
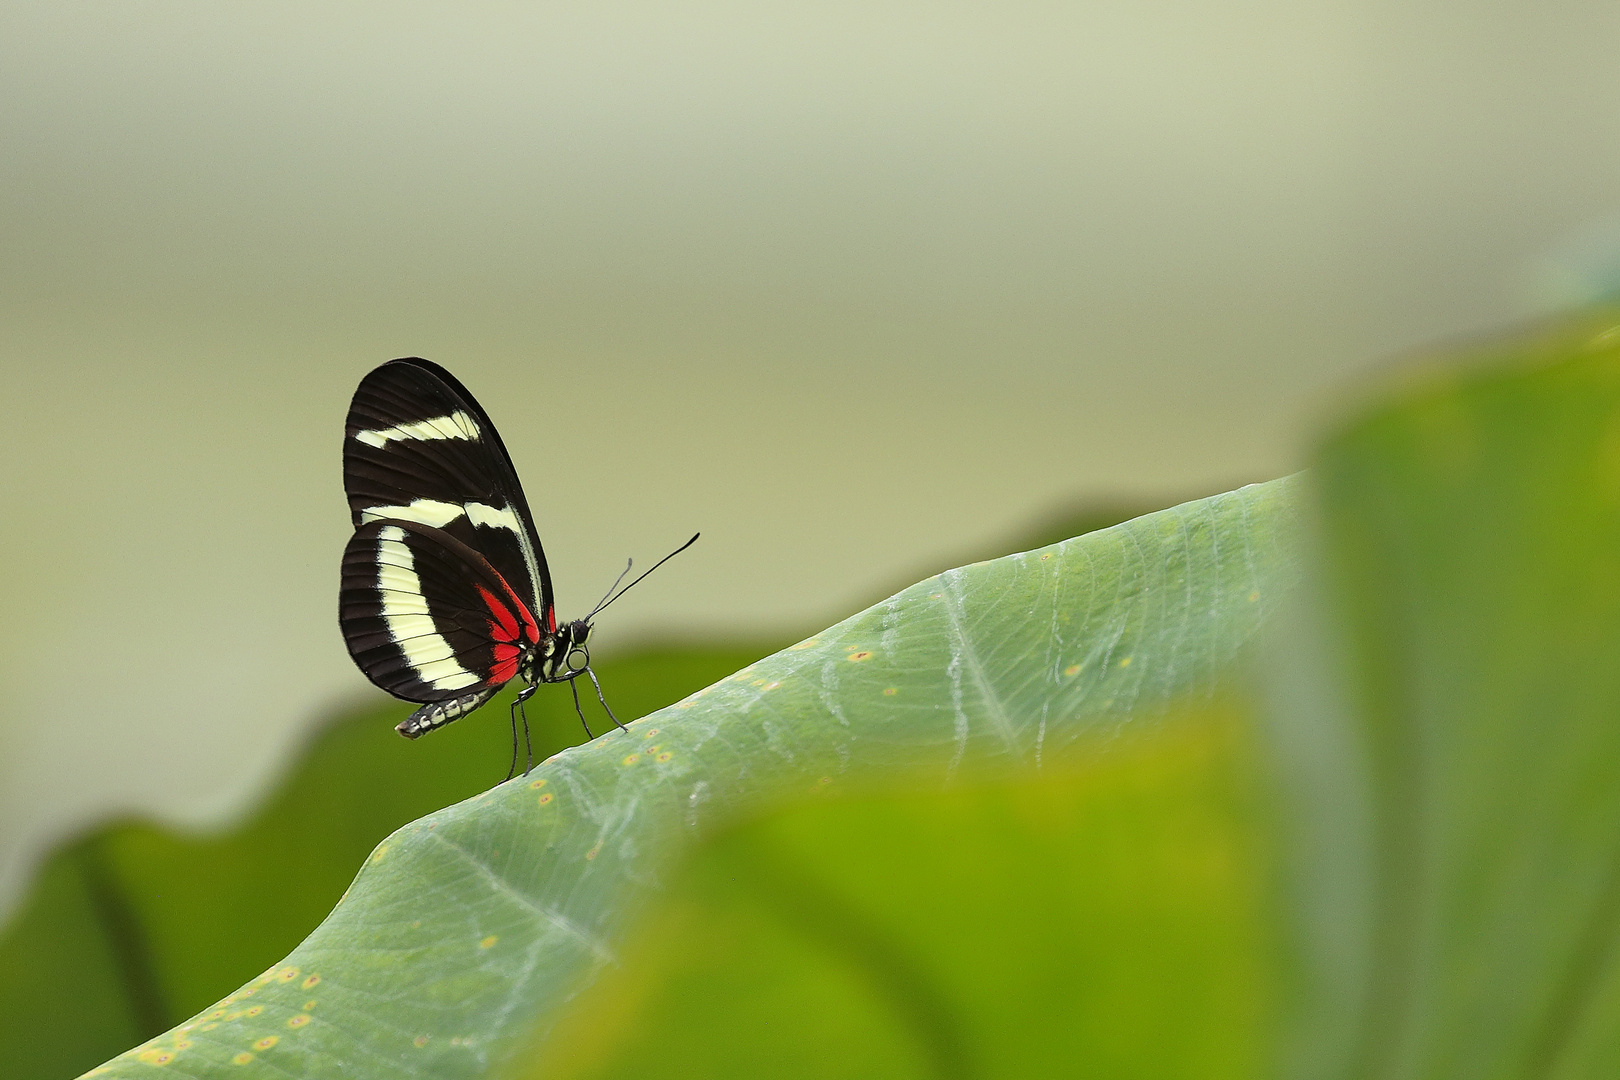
<point x="665" y="756"/>
<point x="182" y="1043"/>
<point x="890" y="691"/>
<point x="771" y="686"/>
<point x="808" y="643"/>
<point x="308" y="1005"/>
<point x="255" y="1011"/>
<point x="631" y="759"/>
<point x="298" y="1021"/>
<point x="420" y="1040"/>
<point x="487" y="942"/>
<point x="1125" y="662"/>
<point x="313" y="979"/>
<point x="1072" y="670"/>
<point x="825" y="780"/>
<point x="857" y="657"/>
<point x="594" y="852"/>
<point x="537" y="785"/>
<point x="376" y="856"/>
<point x="759" y="682"/>
<point x="650" y="733"/>
<point x="242" y="1059"/>
<point x="288" y="974"/>
<point x="546" y="798"/>
<point x="155" y="1056"/>
<point x="1254" y="596"/>
<point x="267" y="1042"/>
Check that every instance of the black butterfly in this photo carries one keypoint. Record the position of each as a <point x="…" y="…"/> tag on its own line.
<point x="445" y="595"/>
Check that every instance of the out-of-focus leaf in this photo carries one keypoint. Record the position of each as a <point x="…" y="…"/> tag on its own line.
<point x="65" y="996"/>
<point x="469" y="929"/>
<point x="1460" y="793"/>
<point x="135" y="927"/>
<point x="1108" y="919"/>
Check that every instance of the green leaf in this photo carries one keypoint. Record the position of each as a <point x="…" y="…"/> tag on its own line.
<point x="1454" y="727"/>
<point x="470" y="929"/>
<point x="1106" y="919"/>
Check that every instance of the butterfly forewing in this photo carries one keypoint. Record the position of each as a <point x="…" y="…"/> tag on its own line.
<point x="418" y="448"/>
<point x="426" y="617"/>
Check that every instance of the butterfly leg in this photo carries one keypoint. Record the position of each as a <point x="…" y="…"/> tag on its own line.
<point x="516" y="711"/>
<point x="528" y="744"/>
<point x="603" y="700"/>
<point x="512" y="768"/>
<point x="572" y="685"/>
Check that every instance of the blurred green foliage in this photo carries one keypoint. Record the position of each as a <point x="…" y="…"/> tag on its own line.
<point x="1471" y="582"/>
<point x="1108" y="919"/>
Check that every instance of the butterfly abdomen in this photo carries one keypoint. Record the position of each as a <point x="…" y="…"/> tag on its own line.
<point x="439" y="713"/>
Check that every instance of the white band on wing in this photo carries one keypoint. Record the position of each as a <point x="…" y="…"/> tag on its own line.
<point x="439" y="514"/>
<point x="458" y="425"/>
<point x="405" y="613"/>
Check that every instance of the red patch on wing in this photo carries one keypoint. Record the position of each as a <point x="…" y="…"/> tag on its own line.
<point x="506" y="635"/>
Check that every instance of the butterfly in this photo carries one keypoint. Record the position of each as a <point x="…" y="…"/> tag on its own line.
<point x="445" y="593"/>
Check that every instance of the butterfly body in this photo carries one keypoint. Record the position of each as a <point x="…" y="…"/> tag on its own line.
<point x="445" y="593"/>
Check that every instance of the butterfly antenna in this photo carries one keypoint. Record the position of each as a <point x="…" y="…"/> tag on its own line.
<point x="604" y="601"/>
<point x="612" y="597"/>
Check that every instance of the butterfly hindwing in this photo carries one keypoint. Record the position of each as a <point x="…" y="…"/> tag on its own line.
<point x="418" y="448"/>
<point x="426" y="617"/>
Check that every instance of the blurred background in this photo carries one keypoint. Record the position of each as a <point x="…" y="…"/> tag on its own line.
<point x="852" y="288"/>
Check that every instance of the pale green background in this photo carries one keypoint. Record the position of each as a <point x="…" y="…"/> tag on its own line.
<point x="850" y="287"/>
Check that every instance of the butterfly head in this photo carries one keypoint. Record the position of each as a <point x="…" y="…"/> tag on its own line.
<point x="576" y="655"/>
<point x="560" y="655"/>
